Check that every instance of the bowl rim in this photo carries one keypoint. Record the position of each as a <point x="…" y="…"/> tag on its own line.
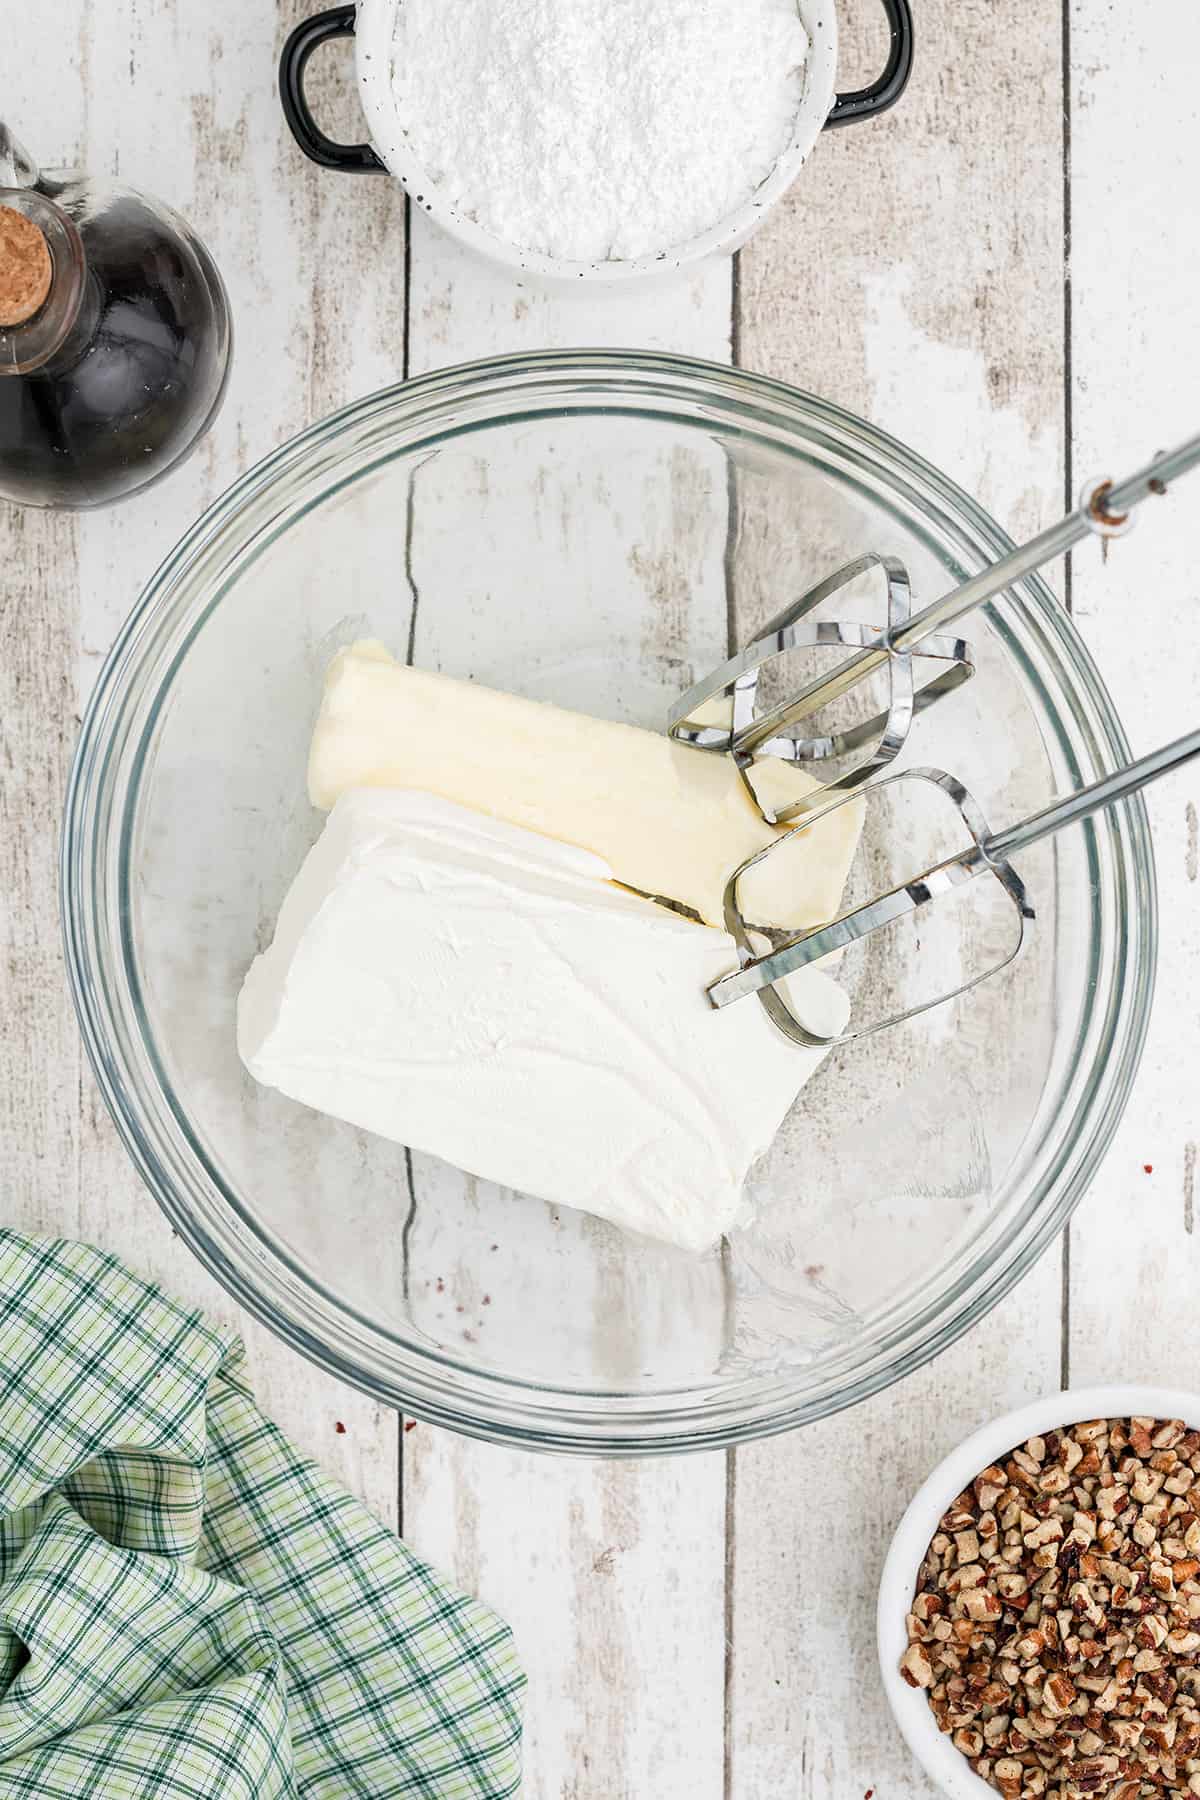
<point x="373" y="39"/>
<point x="945" y="1765"/>
<point x="276" y="1287"/>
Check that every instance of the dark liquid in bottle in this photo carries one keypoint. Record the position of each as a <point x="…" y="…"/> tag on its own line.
<point x="139" y="376"/>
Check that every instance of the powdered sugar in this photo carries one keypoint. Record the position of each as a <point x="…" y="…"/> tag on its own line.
<point x="597" y="129"/>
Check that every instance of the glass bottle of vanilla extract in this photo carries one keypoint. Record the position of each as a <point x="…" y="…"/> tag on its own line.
<point x="114" y="337"/>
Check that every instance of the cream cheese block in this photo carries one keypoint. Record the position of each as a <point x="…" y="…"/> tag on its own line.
<point x="489" y="995"/>
<point x="669" y="821"/>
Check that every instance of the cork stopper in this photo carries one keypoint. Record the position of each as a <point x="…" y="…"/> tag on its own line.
<point x="25" y="268"/>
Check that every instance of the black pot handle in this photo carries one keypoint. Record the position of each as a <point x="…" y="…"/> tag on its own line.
<point x="361" y="159"/>
<point x="354" y="159"/>
<point x="866" y="102"/>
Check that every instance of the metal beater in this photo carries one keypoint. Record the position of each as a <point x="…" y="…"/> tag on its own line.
<point x="749" y="732"/>
<point x="988" y="855"/>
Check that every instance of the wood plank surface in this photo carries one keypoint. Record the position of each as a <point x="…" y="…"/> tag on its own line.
<point x="900" y="278"/>
<point x="617" y="1593"/>
<point x="40" y="1052"/>
<point x="1135" y="388"/>
<point x="206" y="135"/>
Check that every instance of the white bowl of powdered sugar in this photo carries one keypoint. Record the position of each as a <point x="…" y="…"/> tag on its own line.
<point x="592" y="140"/>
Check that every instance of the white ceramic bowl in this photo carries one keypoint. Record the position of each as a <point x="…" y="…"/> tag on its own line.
<point x="372" y="23"/>
<point x="932" y="1748"/>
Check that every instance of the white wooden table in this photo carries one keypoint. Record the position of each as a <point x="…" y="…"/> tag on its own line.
<point x="1005" y="272"/>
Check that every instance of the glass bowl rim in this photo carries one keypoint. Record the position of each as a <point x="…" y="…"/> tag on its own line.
<point x="488" y="1404"/>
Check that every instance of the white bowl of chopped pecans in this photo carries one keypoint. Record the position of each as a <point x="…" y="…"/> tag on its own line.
<point x="1041" y="1598"/>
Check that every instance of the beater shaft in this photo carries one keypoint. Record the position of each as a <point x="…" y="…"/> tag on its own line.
<point x="1104" y="511"/>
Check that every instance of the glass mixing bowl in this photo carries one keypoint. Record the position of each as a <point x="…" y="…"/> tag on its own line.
<point x="588" y="528"/>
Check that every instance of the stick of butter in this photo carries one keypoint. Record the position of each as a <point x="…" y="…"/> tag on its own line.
<point x="668" y="820"/>
<point x="490" y="996"/>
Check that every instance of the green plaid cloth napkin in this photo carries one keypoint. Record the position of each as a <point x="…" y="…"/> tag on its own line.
<point x="191" y="1610"/>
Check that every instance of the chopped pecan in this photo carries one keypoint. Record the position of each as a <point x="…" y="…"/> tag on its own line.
<point x="1056" y="1624"/>
<point x="916" y="1667"/>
